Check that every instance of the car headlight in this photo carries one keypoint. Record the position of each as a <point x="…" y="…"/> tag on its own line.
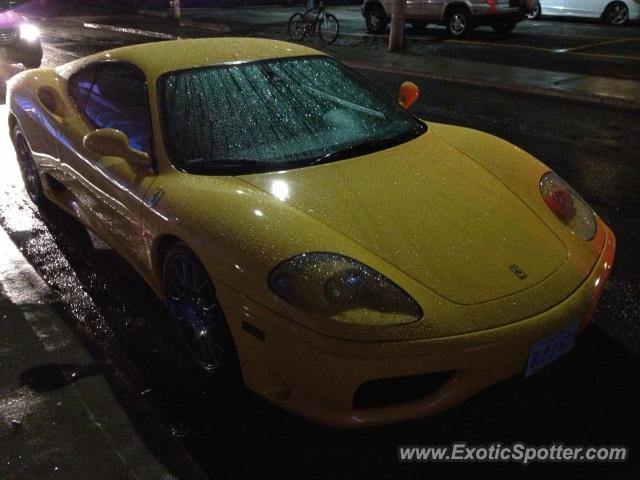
<point x="568" y="206"/>
<point x="29" y="32"/>
<point x="342" y="289"/>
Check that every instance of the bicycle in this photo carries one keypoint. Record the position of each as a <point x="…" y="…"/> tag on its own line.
<point x="302" y="25"/>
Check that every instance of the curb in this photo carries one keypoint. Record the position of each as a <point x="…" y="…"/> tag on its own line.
<point x="132" y="31"/>
<point x="155" y="13"/>
<point x="214" y="27"/>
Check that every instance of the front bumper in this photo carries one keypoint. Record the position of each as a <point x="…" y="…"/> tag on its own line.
<point x="317" y="377"/>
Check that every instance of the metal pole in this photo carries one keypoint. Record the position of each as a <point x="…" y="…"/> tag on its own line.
<point x="177" y="11"/>
<point x="396" y="35"/>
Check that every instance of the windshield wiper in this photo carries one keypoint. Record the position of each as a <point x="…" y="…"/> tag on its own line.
<point x="203" y="165"/>
<point x="356" y="150"/>
<point x="370" y="146"/>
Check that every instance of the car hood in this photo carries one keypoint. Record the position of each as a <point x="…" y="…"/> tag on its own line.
<point x="431" y="211"/>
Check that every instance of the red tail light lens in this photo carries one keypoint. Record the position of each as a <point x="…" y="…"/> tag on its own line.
<point x="568" y="206"/>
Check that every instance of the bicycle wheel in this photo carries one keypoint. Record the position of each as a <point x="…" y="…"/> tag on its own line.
<point x="297" y="27"/>
<point x="329" y="29"/>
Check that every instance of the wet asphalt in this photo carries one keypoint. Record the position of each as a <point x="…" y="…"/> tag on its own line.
<point x="589" y="397"/>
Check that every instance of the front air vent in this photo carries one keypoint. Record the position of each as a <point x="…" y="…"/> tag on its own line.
<point x="392" y="391"/>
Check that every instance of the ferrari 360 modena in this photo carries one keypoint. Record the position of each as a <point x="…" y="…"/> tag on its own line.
<point x="356" y="264"/>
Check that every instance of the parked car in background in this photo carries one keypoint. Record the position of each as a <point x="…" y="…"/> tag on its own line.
<point x="19" y="38"/>
<point x="613" y="12"/>
<point x="459" y="16"/>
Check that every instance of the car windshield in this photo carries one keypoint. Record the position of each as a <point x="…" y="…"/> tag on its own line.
<point x="276" y="114"/>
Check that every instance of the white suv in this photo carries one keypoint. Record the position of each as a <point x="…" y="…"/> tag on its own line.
<point x="459" y="16"/>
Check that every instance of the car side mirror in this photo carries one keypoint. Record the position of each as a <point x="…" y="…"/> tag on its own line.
<point x="408" y="94"/>
<point x="113" y="143"/>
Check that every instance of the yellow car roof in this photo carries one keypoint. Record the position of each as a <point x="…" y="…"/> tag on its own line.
<point x="157" y="58"/>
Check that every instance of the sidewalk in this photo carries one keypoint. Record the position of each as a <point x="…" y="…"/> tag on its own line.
<point x="59" y="417"/>
<point x="360" y="49"/>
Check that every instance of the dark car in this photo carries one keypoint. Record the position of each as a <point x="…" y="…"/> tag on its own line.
<point x="18" y="37"/>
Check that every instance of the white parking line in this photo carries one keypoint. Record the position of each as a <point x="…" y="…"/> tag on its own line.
<point x="501" y="44"/>
<point x="593" y="45"/>
<point x="63" y="53"/>
<point x="132" y="31"/>
<point x="566" y="51"/>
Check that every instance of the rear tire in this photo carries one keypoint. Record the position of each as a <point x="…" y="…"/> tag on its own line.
<point x="459" y="23"/>
<point x="329" y="29"/>
<point x="376" y="19"/>
<point x="535" y="13"/>
<point x="297" y="27"/>
<point x="28" y="168"/>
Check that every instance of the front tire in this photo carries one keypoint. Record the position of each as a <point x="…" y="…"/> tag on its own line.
<point x="196" y="314"/>
<point x="459" y="23"/>
<point x="376" y="19"/>
<point x="616" y="14"/>
<point x="535" y="13"/>
<point x="28" y="168"/>
<point x="329" y="29"/>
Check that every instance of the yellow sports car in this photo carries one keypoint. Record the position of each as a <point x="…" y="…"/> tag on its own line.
<point x="359" y="266"/>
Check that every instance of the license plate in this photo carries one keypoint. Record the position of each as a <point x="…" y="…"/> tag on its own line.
<point x="549" y="349"/>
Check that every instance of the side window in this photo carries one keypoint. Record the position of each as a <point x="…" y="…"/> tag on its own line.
<point x="119" y="99"/>
<point x="80" y="86"/>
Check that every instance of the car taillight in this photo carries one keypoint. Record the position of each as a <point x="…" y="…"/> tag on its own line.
<point x="493" y="5"/>
<point x="568" y="206"/>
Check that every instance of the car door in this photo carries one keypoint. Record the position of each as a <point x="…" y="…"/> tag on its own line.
<point x="552" y="7"/>
<point x="110" y="191"/>
<point x="584" y="8"/>
<point x="433" y="8"/>
<point x="414" y="8"/>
